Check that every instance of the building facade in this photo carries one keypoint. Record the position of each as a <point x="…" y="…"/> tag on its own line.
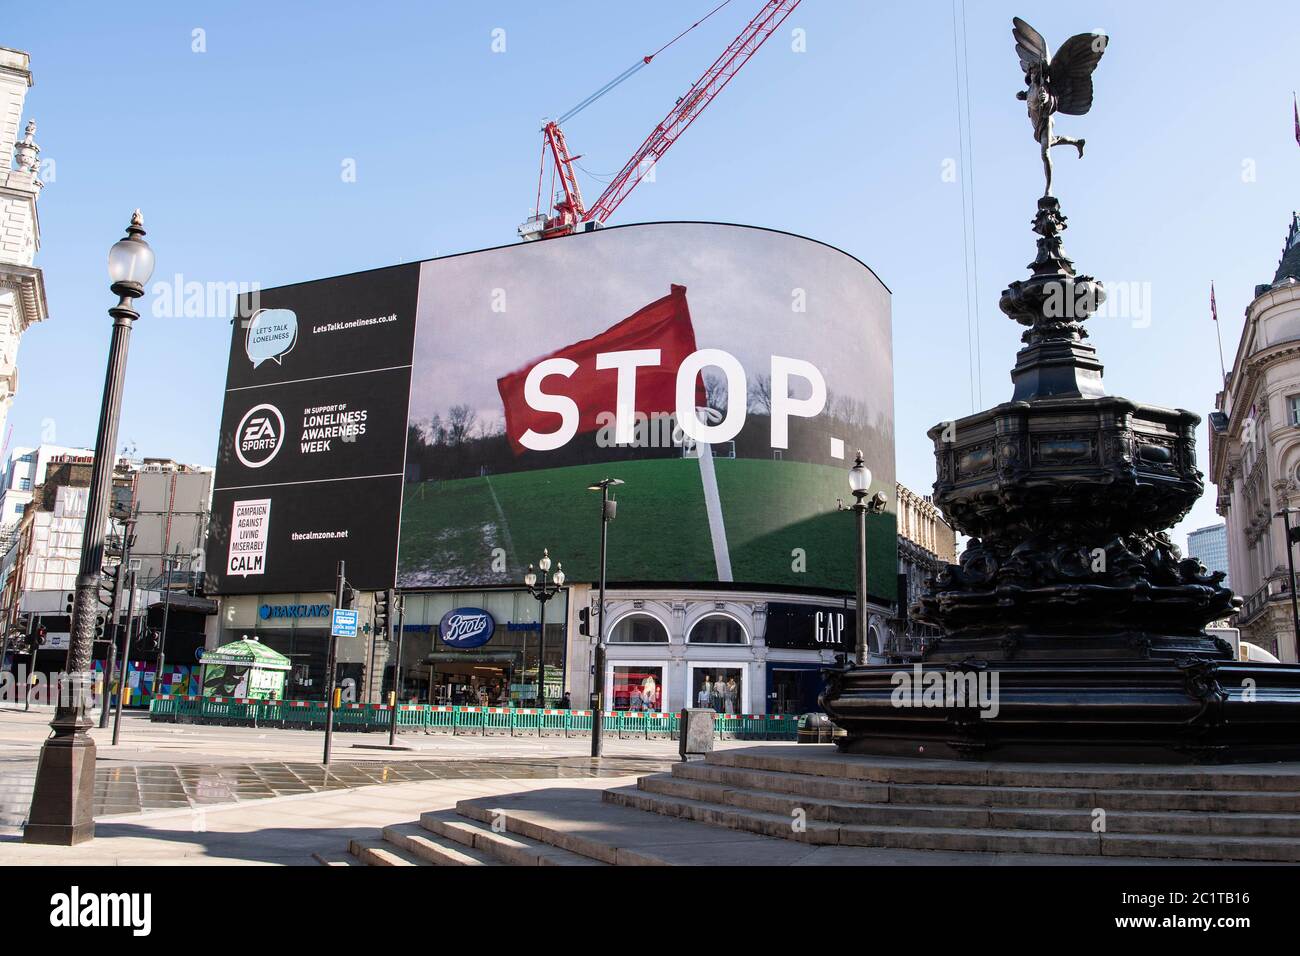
<point x="1209" y="545"/>
<point x="38" y="571"/>
<point x="1255" y="455"/>
<point x="24" y="471"/>
<point x="926" y="542"/>
<point x="737" y="650"/>
<point x="22" y="287"/>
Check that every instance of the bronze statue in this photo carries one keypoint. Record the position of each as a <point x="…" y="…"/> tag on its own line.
<point x="1060" y="84"/>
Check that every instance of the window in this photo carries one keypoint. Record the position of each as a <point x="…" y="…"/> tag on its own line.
<point x="29" y="457"/>
<point x="24" y="484"/>
<point x="1293" y="409"/>
<point x="718" y="688"/>
<point x="20" y="508"/>
<point x="638" y="687"/>
<point x="639" y="629"/>
<point x="717" y="629"/>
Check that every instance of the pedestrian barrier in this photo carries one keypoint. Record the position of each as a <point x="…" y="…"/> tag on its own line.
<point x="441" y="719"/>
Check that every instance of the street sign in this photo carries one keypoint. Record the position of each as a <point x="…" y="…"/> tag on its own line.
<point x="345" y="623"/>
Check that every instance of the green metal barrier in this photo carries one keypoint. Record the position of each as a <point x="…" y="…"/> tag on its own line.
<point x="468" y="720"/>
<point x="439" y="720"/>
<point x="489" y="721"/>
<point x="727" y="726"/>
<point x="660" y="726"/>
<point x="578" y="724"/>
<point x="553" y="723"/>
<point x="526" y="722"/>
<point x="412" y="715"/>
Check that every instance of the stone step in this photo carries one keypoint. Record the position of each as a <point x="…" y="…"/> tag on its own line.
<point x="334" y="858"/>
<point x="811" y="785"/>
<point x="987" y="839"/>
<point x="434" y="849"/>
<point x="383" y="853"/>
<point x="823" y="760"/>
<point x="475" y="832"/>
<point x="999" y="818"/>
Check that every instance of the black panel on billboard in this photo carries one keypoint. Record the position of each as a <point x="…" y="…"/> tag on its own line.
<point x="313" y="435"/>
<point x="820" y="627"/>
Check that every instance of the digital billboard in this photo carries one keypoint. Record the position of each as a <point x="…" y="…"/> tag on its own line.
<point x="726" y="374"/>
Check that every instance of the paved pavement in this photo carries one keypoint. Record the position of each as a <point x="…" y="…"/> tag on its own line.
<point x="282" y="831"/>
<point x="162" y="778"/>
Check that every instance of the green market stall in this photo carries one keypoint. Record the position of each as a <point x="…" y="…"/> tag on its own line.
<point x="245" y="668"/>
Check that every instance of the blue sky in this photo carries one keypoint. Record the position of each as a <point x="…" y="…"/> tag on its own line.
<point x="235" y="155"/>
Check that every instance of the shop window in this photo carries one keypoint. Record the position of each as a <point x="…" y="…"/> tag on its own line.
<point x="638" y="687"/>
<point x="718" y="688"/>
<point x="639" y="629"/>
<point x="717" y="629"/>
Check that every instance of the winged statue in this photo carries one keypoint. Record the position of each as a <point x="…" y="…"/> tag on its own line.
<point x="1056" y="84"/>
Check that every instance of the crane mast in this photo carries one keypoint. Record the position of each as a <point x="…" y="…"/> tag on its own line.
<point x="570" y="214"/>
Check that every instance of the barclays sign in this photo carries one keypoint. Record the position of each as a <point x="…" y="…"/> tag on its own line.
<point x="465" y="627"/>
<point x="269" y="612"/>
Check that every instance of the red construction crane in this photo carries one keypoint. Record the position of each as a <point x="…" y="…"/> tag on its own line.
<point x="568" y="213"/>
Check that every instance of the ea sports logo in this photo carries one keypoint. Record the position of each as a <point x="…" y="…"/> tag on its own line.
<point x="259" y="435"/>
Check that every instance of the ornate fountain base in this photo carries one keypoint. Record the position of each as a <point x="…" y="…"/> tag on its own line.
<point x="1174" y="710"/>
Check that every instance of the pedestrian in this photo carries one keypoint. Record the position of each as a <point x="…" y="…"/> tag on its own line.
<point x="566" y="703"/>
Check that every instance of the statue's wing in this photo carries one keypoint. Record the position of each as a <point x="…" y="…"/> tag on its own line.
<point x="1070" y="72"/>
<point x="1030" y="45"/>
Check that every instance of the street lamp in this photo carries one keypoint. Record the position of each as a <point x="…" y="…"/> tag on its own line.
<point x="860" y="485"/>
<point x="608" y="509"/>
<point x="543" y="592"/>
<point x="62" y="810"/>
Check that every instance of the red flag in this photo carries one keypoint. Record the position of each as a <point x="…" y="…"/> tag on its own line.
<point x="664" y="324"/>
<point x="1214" y="308"/>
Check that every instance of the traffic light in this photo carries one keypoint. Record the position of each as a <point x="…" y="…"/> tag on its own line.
<point x="349" y="597"/>
<point x="584" y="622"/>
<point x="69" y="601"/>
<point x="1293" y="535"/>
<point x="383" y="608"/>
<point x="108" y="584"/>
<point x="101" y="620"/>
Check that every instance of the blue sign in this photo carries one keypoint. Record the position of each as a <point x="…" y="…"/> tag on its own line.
<point x="269" y="612"/>
<point x="466" y="627"/>
<point x="345" y="623"/>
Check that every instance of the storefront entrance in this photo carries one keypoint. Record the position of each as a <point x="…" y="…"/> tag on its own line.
<point x="794" y="688"/>
<point x="471" y="680"/>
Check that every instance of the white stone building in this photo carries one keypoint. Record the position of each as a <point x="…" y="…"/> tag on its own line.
<point x="22" y="288"/>
<point x="1255" y="455"/>
<point x="23" y="472"/>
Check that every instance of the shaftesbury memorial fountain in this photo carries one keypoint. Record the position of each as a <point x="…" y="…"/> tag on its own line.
<point x="1070" y="603"/>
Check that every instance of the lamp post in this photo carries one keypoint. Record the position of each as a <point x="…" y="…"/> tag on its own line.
<point x="62" y="801"/>
<point x="543" y="591"/>
<point x="607" y="511"/>
<point x="860" y="485"/>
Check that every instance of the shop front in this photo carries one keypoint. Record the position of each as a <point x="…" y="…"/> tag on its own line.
<point x="481" y="648"/>
<point x="297" y="626"/>
<point x="734" y="652"/>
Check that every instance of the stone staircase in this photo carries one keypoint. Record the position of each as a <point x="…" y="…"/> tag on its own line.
<point x="807" y="805"/>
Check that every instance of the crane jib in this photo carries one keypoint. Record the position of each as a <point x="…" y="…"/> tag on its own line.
<point x="569" y="211"/>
